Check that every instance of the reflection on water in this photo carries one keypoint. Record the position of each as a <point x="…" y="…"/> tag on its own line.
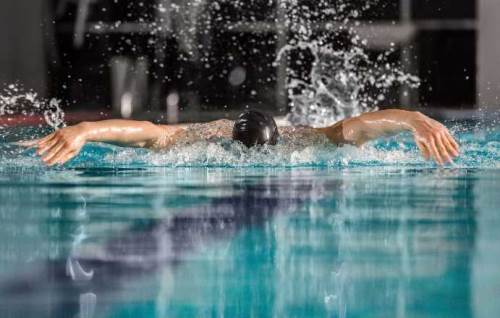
<point x="159" y="242"/>
<point x="485" y="272"/>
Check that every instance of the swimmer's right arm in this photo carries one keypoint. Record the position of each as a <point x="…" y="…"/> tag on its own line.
<point x="64" y="144"/>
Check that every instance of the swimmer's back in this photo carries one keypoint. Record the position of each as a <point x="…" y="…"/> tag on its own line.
<point x="223" y="129"/>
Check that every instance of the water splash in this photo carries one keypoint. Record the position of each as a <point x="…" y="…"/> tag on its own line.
<point x="479" y="149"/>
<point x="331" y="75"/>
<point x="476" y="152"/>
<point x="331" y="72"/>
<point x="21" y="106"/>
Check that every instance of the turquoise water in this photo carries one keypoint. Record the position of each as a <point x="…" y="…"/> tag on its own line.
<point x="327" y="233"/>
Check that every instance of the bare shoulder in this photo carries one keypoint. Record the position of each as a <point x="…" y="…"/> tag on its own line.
<point x="167" y="136"/>
<point x="185" y="134"/>
<point x="302" y="135"/>
<point x="219" y="128"/>
<point x="297" y="130"/>
<point x="222" y="123"/>
<point x="333" y="134"/>
<point x="171" y="128"/>
<point x="222" y="128"/>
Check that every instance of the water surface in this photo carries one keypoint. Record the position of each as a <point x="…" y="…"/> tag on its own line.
<point x="360" y="237"/>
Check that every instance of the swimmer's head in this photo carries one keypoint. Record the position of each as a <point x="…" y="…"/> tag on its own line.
<point x="255" y="128"/>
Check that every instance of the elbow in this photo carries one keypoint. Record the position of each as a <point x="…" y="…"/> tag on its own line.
<point x="353" y="130"/>
<point x="148" y="124"/>
<point x="151" y="129"/>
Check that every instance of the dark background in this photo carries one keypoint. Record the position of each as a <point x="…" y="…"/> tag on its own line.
<point x="77" y="67"/>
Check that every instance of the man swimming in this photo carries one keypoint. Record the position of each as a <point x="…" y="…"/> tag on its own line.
<point x="251" y="128"/>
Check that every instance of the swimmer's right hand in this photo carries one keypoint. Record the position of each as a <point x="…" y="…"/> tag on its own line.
<point x="61" y="145"/>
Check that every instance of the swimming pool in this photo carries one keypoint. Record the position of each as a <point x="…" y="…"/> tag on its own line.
<point x="307" y="233"/>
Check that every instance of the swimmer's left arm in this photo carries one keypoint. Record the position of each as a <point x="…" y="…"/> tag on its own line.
<point x="433" y="139"/>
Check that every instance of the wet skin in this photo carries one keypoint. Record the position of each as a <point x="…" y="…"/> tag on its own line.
<point x="432" y="138"/>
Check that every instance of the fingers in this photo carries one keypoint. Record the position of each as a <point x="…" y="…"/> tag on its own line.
<point x="435" y="152"/>
<point x="453" y="142"/>
<point x="70" y="155"/>
<point x="439" y="147"/>
<point x="44" y="140"/>
<point x="52" y="152"/>
<point x="35" y="142"/>
<point x="27" y="143"/>
<point x="443" y="151"/>
<point x="54" y="148"/>
<point x="48" y="146"/>
<point x="423" y="149"/>
<point x="449" y="145"/>
<point x="62" y="157"/>
<point x="437" y="143"/>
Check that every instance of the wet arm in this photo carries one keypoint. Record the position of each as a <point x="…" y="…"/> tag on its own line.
<point x="127" y="132"/>
<point x="433" y="139"/>
<point x="368" y="126"/>
<point x="66" y="143"/>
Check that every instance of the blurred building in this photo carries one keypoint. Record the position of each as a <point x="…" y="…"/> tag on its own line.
<point x="177" y="60"/>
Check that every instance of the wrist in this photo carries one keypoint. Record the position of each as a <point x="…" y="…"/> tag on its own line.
<point x="85" y="130"/>
<point x="413" y="119"/>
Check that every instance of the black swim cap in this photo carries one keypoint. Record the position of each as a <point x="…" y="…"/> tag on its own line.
<point x="255" y="128"/>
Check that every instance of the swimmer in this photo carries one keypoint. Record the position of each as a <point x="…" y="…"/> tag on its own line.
<point x="251" y="128"/>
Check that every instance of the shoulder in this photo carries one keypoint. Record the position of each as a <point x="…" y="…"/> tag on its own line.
<point x="220" y="123"/>
<point x="302" y="134"/>
<point x="167" y="137"/>
<point x="223" y="123"/>
<point x="297" y="130"/>
<point x="171" y="129"/>
<point x="222" y="128"/>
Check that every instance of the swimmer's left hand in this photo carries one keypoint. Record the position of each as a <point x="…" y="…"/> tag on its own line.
<point x="433" y="139"/>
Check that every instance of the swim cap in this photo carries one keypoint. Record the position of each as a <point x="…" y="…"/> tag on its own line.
<point x="255" y="128"/>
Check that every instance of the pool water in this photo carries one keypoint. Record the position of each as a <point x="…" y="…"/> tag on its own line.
<point x="383" y="234"/>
